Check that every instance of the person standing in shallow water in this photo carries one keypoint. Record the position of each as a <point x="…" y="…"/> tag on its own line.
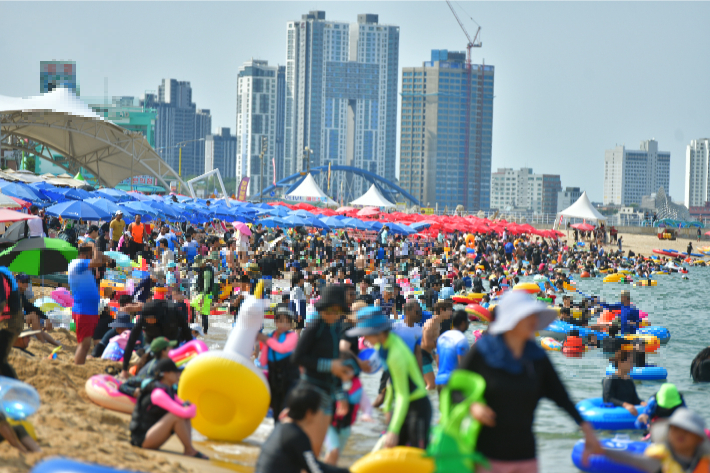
<point x="517" y="374"/>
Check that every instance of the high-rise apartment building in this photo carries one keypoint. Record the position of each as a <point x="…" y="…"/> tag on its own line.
<point x="697" y="167"/>
<point x="221" y="153"/>
<point x="257" y="87"/>
<point x="341" y="94"/>
<point x="567" y="197"/>
<point x="57" y="74"/>
<point x="520" y="189"/>
<point x="280" y="121"/>
<point x="631" y="174"/>
<point x="447" y="129"/>
<point x="179" y="124"/>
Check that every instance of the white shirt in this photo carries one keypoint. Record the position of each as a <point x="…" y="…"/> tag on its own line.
<point x="35" y="227"/>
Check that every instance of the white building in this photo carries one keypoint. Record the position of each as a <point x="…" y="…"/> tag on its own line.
<point x="516" y="189"/>
<point x="567" y="197"/>
<point x="256" y="123"/>
<point x="697" y="167"/>
<point x="631" y="174"/>
<point x="341" y="94"/>
<point x="221" y="153"/>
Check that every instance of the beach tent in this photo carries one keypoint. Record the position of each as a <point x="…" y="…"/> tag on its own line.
<point x="583" y="209"/>
<point x="309" y="190"/>
<point x="372" y="198"/>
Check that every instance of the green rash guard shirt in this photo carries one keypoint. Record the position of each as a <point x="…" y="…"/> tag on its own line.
<point x="407" y="380"/>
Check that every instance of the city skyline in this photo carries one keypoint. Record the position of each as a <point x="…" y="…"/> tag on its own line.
<point x="566" y="88"/>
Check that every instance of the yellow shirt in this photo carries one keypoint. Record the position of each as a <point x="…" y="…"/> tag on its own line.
<point x="117" y="226"/>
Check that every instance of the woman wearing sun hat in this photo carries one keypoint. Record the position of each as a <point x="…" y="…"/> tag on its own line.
<point x="517" y="374"/>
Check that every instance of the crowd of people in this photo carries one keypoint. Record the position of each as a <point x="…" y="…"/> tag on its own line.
<point x="387" y="292"/>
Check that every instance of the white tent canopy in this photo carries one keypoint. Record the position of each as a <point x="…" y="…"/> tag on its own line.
<point x="583" y="209"/>
<point x="57" y="124"/>
<point x="372" y="198"/>
<point x="309" y="190"/>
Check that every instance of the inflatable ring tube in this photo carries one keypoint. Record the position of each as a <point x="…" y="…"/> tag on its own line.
<point x="602" y="464"/>
<point x="231" y="394"/>
<point x="612" y="278"/>
<point x="559" y="330"/>
<point x="549" y="343"/>
<point x="606" y="416"/>
<point x="473" y="297"/>
<point x="651" y="342"/>
<point x="102" y="389"/>
<point x="647" y="373"/>
<point x="585" y="274"/>
<point x="63" y="465"/>
<point x="659" y="332"/>
<point x="186" y="352"/>
<point x="476" y="312"/>
<point x="529" y="287"/>
<point x="644" y="283"/>
<point x="471" y="241"/>
<point x="395" y="460"/>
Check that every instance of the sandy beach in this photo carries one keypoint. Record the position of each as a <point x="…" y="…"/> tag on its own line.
<point x="68" y="424"/>
<point x="645" y="244"/>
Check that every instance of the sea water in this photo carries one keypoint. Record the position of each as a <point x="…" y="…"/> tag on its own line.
<point x="680" y="305"/>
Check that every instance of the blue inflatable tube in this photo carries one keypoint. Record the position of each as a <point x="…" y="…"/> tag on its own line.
<point x="559" y="330"/>
<point x="63" y="465"/>
<point x="647" y="373"/>
<point x="663" y="334"/>
<point x="606" y="416"/>
<point x="602" y="464"/>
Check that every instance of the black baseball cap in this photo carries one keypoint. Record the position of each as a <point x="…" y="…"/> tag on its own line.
<point x="166" y="365"/>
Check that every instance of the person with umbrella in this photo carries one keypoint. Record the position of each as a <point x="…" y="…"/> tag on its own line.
<point x="86" y="296"/>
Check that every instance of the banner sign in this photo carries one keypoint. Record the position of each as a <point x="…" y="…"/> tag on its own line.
<point x="142" y="180"/>
<point x="243" y="187"/>
<point x="427" y="210"/>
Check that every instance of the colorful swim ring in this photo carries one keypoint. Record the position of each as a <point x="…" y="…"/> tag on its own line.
<point x="645" y="283"/>
<point x="468" y="298"/>
<point x="395" y="460"/>
<point x="601" y="463"/>
<point x="471" y="241"/>
<point x="662" y="333"/>
<point x="549" y="343"/>
<point x="184" y="353"/>
<point x="231" y="394"/>
<point x="103" y="390"/>
<point x="616" y="277"/>
<point x="646" y="373"/>
<point x="606" y="416"/>
<point x="651" y="342"/>
<point x="476" y="312"/>
<point x="529" y="287"/>
<point x="559" y="330"/>
<point x="585" y="274"/>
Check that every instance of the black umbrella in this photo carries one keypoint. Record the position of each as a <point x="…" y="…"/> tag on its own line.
<point x="39" y="256"/>
<point x="15" y="232"/>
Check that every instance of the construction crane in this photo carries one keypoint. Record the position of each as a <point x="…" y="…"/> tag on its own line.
<point x="472" y="43"/>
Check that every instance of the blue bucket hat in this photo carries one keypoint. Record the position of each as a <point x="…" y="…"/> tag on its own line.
<point x="370" y="320"/>
<point x="123" y="320"/>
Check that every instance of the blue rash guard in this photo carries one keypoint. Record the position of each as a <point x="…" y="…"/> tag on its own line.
<point x="628" y="316"/>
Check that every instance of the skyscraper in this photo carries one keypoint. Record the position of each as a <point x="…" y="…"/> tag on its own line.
<point x="697" y="167"/>
<point x="221" y="153"/>
<point x="447" y="129"/>
<point x="54" y="74"/>
<point x="280" y="121"/>
<point x="341" y="94"/>
<point x="257" y="87"/>
<point x="179" y="124"/>
<point x="632" y="174"/>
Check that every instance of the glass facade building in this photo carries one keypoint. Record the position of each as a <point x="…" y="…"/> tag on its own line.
<point x="446" y="132"/>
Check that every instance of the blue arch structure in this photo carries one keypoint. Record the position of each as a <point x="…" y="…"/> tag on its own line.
<point x="389" y="189"/>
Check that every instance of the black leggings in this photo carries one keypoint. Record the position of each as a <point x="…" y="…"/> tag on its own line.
<point x="7" y="339"/>
<point x="415" y="430"/>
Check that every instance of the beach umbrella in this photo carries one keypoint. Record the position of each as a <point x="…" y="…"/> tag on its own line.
<point x="345" y="209"/>
<point x="333" y="222"/>
<point x="302" y="213"/>
<point x="7" y="202"/>
<point x="419" y="226"/>
<point x="15" y="232"/>
<point x="42" y="185"/>
<point x="141" y="208"/>
<point x="242" y="228"/>
<point x="77" y="210"/>
<point x="7" y="215"/>
<point x="273" y="222"/>
<point x="368" y="212"/>
<point x="276" y="211"/>
<point x="109" y="206"/>
<point x="294" y="221"/>
<point x="398" y="229"/>
<point x="39" y="256"/>
<point x="376" y="225"/>
<point x="72" y="193"/>
<point x="354" y="223"/>
<point x="23" y="191"/>
<point x="117" y="194"/>
<point x="585" y="227"/>
<point x="138" y="196"/>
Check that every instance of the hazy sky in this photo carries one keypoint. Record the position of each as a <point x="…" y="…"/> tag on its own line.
<point x="572" y="79"/>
